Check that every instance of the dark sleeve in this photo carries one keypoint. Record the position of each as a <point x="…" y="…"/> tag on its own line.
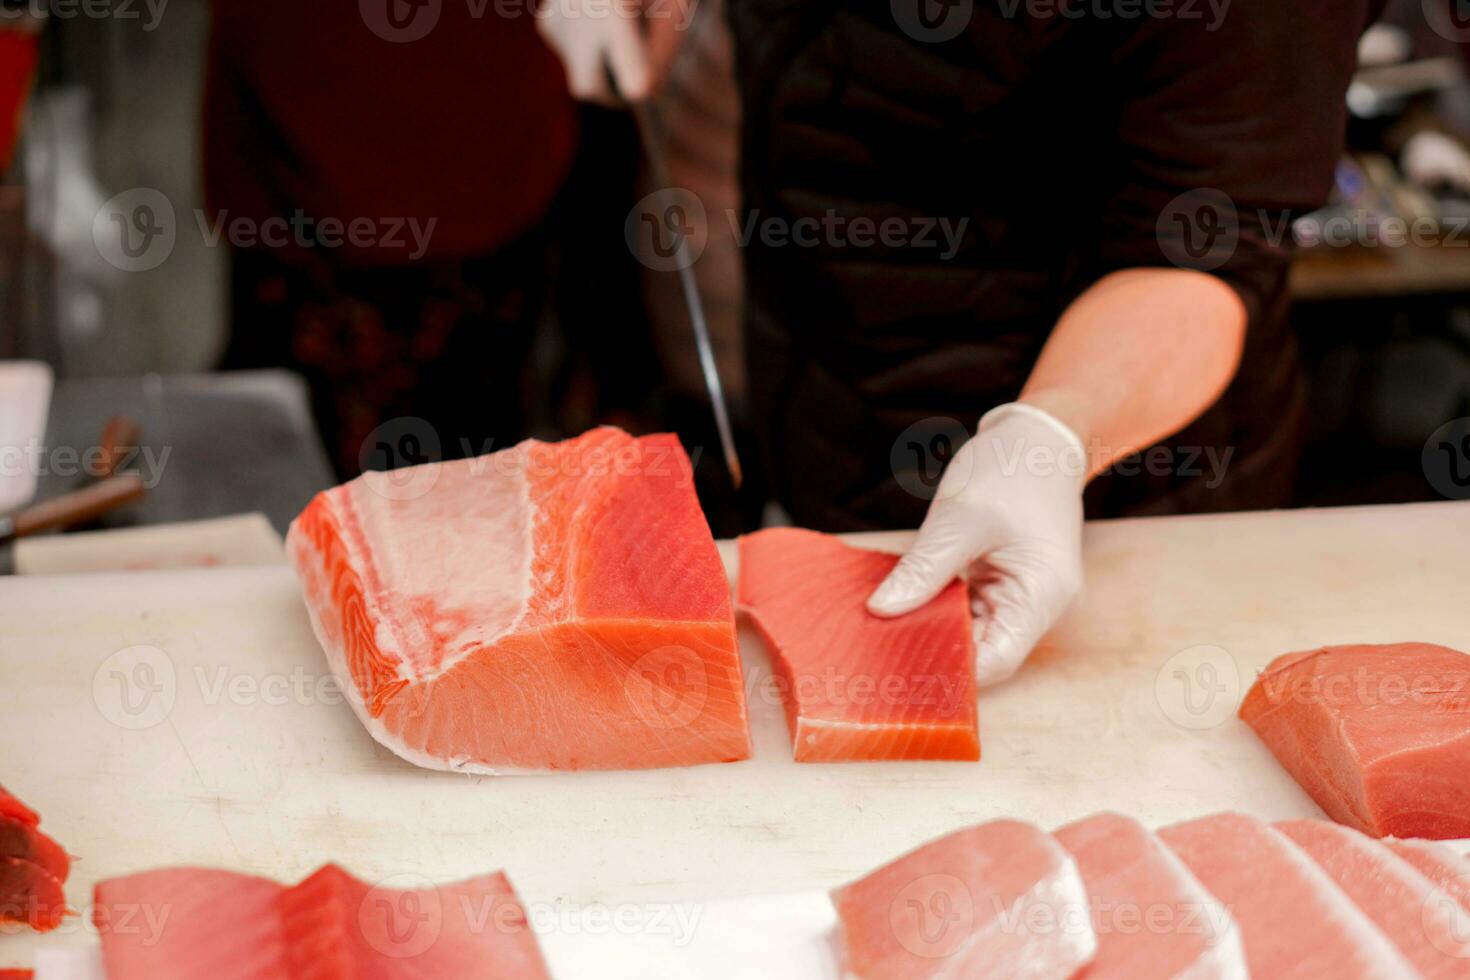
<point x="1225" y="134"/>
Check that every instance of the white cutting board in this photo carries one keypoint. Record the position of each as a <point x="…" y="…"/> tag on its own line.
<point x="279" y="788"/>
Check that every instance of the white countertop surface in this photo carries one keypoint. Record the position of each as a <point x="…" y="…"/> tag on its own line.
<point x="242" y="756"/>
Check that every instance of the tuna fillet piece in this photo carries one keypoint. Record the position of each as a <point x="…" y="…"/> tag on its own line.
<point x="1001" y="900"/>
<point x="1399" y="900"/>
<point x="30" y="895"/>
<point x="26" y="841"/>
<point x="1378" y="736"/>
<point x="16" y="810"/>
<point x="1295" y="922"/>
<point x="549" y="606"/>
<point x="1449" y="871"/>
<point x="856" y="686"/>
<point x="195" y="924"/>
<point x="1153" y="918"/>
<point x="339" y="928"/>
<point x="33" y="869"/>
<point x="187" y="923"/>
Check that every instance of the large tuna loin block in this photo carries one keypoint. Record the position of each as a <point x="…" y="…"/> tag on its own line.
<point x="1001" y="900"/>
<point x="549" y="606"/>
<point x="857" y="687"/>
<point x="1378" y="736"/>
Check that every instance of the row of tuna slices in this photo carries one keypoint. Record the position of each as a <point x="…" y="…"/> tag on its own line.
<point x="33" y="869"/>
<point x="197" y="924"/>
<point x="1218" y="898"/>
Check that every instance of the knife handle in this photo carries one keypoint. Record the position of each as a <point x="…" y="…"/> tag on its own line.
<point x="79" y="506"/>
<point x="119" y="438"/>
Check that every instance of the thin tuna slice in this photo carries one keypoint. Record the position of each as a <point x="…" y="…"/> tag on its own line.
<point x="190" y="924"/>
<point x="195" y="924"/>
<point x="30" y="895"/>
<point x="16" y="975"/>
<point x="856" y="686"/>
<point x="1000" y="900"/>
<point x="1379" y="736"/>
<point x="1153" y="918"/>
<point x="1295" y="922"/>
<point x="23" y="840"/>
<point x="1448" y="870"/>
<point x="340" y="928"/>
<point x="549" y="606"/>
<point x="1409" y="908"/>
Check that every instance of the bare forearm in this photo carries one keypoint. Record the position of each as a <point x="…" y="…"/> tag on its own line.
<point x="1138" y="357"/>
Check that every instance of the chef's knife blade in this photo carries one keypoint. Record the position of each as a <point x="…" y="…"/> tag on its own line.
<point x="650" y="133"/>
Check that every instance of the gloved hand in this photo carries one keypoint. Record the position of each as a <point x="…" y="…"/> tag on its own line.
<point x="637" y="39"/>
<point x="1008" y="518"/>
<point x="1436" y="160"/>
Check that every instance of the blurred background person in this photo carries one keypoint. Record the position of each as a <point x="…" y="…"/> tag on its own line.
<point x="457" y="152"/>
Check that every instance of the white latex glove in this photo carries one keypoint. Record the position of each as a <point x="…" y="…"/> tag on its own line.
<point x="1434" y="159"/>
<point x="1008" y="518"/>
<point x="636" y="39"/>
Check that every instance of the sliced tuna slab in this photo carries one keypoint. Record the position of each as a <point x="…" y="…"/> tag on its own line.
<point x="1001" y="900"/>
<point x="1153" y="918"/>
<point x="1409" y="908"/>
<point x="31" y="895"/>
<point x="26" y="841"/>
<point x="197" y="924"/>
<point x="188" y="923"/>
<point x="1378" y="736"/>
<point x="13" y="808"/>
<point x="549" y="606"/>
<point x="1447" y="869"/>
<point x="1294" y="920"/>
<point x="33" y="869"/>
<point x="855" y="686"/>
<point x="340" y="928"/>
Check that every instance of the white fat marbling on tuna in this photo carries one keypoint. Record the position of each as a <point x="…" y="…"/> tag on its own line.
<point x="450" y="568"/>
